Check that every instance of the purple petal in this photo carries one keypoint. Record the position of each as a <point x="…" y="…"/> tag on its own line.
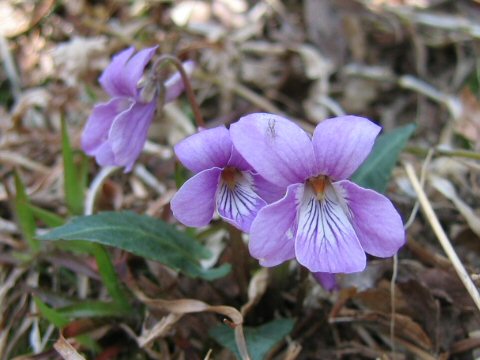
<point x="174" y="85"/>
<point x="273" y="230"/>
<point x="327" y="280"/>
<point x="326" y="240"/>
<point x="239" y="205"/>
<point x="341" y="144"/>
<point x="205" y="149"/>
<point x="277" y="149"/>
<point x="194" y="203"/>
<point x="129" y="131"/>
<point x="268" y="191"/>
<point x="120" y="78"/>
<point x="379" y="226"/>
<point x="98" y="124"/>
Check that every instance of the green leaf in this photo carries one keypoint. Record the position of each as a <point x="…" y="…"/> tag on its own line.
<point x="52" y="315"/>
<point x="25" y="218"/>
<point x="141" y="235"/>
<point x="260" y="340"/>
<point x="375" y="172"/>
<point x="49" y="218"/>
<point x="73" y="181"/>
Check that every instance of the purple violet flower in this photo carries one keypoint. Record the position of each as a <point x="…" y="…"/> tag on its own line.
<point x="324" y="220"/>
<point x="116" y="131"/>
<point x="223" y="181"/>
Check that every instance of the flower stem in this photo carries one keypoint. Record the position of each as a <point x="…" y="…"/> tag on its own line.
<point x="186" y="82"/>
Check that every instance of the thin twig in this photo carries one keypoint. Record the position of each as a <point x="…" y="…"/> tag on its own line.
<point x="423" y="176"/>
<point x="468" y="154"/>
<point x="441" y="236"/>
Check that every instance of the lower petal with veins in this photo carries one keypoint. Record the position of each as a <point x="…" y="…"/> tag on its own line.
<point x="326" y="240"/>
<point x="237" y="201"/>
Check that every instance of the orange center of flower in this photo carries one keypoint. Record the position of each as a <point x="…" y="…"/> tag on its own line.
<point x="318" y="184"/>
<point x="228" y="176"/>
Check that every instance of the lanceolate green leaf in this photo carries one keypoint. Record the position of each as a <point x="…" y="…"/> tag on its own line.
<point x="375" y="172"/>
<point x="260" y="340"/>
<point x="142" y="235"/>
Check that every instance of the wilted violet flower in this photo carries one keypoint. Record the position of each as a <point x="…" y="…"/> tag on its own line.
<point x="324" y="220"/>
<point x="223" y="181"/>
<point x="116" y="131"/>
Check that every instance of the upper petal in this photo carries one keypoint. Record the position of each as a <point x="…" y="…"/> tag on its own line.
<point x="205" y="149"/>
<point x="275" y="147"/>
<point x="341" y="144"/>
<point x="129" y="132"/>
<point x="239" y="204"/>
<point x="379" y="226"/>
<point x="194" y="203"/>
<point x="98" y="124"/>
<point x="237" y="161"/>
<point x="174" y="84"/>
<point x="326" y="240"/>
<point x="120" y="78"/>
<point x="273" y="230"/>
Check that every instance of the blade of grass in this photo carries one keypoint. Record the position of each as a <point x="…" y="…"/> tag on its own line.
<point x="49" y="218"/>
<point x="60" y="321"/>
<point x="24" y="214"/>
<point x="73" y="182"/>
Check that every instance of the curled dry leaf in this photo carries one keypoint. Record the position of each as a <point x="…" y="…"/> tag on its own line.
<point x="447" y="189"/>
<point x="256" y="289"/>
<point x="190" y="306"/>
<point x="66" y="350"/>
<point x="160" y="329"/>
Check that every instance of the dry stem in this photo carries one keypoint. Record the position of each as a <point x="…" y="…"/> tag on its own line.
<point x="442" y="237"/>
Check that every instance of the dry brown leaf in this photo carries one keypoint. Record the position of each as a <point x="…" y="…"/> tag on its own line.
<point x="468" y="125"/>
<point x="66" y="350"/>
<point x="405" y="327"/>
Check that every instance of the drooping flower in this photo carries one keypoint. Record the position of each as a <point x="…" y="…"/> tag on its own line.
<point x="223" y="181"/>
<point x="324" y="221"/>
<point x="116" y="131"/>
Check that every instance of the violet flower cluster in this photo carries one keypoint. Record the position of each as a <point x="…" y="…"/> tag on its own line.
<point x="290" y="191"/>
<point x="116" y="131"/>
